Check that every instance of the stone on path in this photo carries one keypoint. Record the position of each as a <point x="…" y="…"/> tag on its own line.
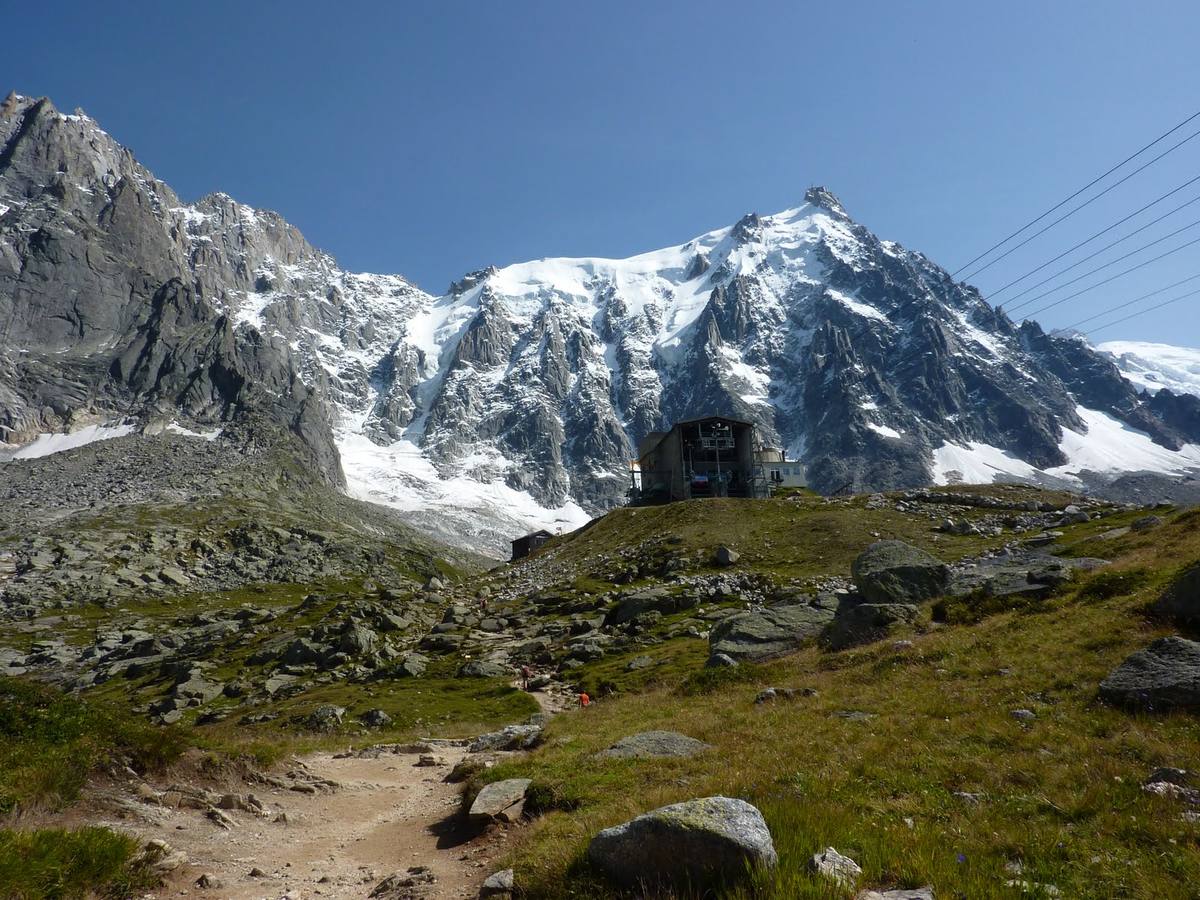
<point x="694" y="843"/>
<point x="499" y="884"/>
<point x="500" y="801"/>
<point x="656" y="744"/>
<point x="1165" y="675"/>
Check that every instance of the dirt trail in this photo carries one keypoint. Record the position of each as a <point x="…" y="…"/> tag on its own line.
<point x="386" y="815"/>
<point x="330" y="828"/>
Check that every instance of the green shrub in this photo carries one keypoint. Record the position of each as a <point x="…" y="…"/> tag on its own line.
<point x="50" y="742"/>
<point x="1105" y="584"/>
<point x="59" y="862"/>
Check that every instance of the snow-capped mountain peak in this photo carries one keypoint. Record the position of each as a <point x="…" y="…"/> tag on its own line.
<point x="517" y="398"/>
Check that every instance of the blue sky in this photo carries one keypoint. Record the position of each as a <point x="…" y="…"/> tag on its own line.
<point x="432" y="139"/>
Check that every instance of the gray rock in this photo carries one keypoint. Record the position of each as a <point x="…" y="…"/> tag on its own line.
<point x="1180" y="602"/>
<point x="860" y="623"/>
<point x="279" y="682"/>
<point x="720" y="661"/>
<point x="1163" y="676"/>
<point x="841" y="870"/>
<point x="498" y="884"/>
<point x="325" y="717"/>
<point x="1168" y="775"/>
<point x="375" y="718"/>
<point x="483" y="668"/>
<point x="413" y="665"/>
<point x="726" y="556"/>
<point x="637" y="603"/>
<point x="896" y="572"/>
<point x="692" y="844"/>
<point x="1145" y="523"/>
<point x="923" y="893"/>
<point x="769" y="632"/>
<point x="639" y="662"/>
<point x="511" y="737"/>
<point x="655" y="744"/>
<point x="500" y="801"/>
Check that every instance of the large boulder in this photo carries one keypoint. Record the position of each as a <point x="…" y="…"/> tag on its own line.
<point x="692" y="844"/>
<point x="500" y="801"/>
<point x="1180" y="602"/>
<point x="325" y="717"/>
<point x="483" y="668"/>
<point x="861" y="623"/>
<point x="768" y="632"/>
<point x="511" y="737"/>
<point x="1165" y="675"/>
<point x="656" y="744"/>
<point x="896" y="572"/>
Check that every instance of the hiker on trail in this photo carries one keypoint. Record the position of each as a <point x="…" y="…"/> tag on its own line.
<point x="584" y="701"/>
<point x="525" y="673"/>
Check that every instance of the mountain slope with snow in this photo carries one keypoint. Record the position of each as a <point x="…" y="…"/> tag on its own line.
<point x="516" y="399"/>
<point x="1156" y="366"/>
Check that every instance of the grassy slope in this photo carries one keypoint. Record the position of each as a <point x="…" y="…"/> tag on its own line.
<point x="1061" y="794"/>
<point x="50" y="744"/>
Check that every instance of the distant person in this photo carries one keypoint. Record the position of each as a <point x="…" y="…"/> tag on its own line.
<point x="584" y="701"/>
<point x="525" y="673"/>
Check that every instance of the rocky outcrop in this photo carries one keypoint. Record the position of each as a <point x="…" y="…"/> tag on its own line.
<point x="896" y="572"/>
<point x="104" y="308"/>
<point x="769" y="632"/>
<point x="696" y="844"/>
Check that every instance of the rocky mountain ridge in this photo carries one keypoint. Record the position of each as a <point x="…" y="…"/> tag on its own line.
<point x="517" y="398"/>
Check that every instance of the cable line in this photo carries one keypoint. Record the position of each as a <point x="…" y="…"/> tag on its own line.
<point x="1127" y="303"/>
<point x="1064" y="202"/>
<point x="1049" y="262"/>
<point x="1142" y="312"/>
<point x="1111" y="278"/>
<point x="1087" y="202"/>
<point x="1099" y="268"/>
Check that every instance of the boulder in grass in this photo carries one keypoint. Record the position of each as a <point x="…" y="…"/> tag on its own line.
<point x="896" y="572"/>
<point x="500" y="801"/>
<point x="656" y="744"/>
<point x="1180" y="602"/>
<point x="499" y="884"/>
<point x="1165" y="675"/>
<point x="769" y="632"/>
<point x="922" y="893"/>
<point x="726" y="556"/>
<point x="835" y="867"/>
<point x="694" y="844"/>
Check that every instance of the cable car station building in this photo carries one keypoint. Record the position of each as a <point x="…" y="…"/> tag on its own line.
<point x="710" y="457"/>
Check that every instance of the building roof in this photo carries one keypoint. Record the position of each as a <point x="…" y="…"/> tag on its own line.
<point x="654" y="438"/>
<point x="541" y="532"/>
